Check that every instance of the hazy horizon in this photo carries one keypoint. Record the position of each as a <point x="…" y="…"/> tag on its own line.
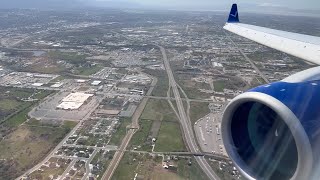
<point x="260" y="6"/>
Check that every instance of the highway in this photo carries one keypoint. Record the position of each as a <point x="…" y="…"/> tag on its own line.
<point x="134" y="127"/>
<point x="185" y="122"/>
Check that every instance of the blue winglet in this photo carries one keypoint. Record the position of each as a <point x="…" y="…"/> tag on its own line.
<point x="234" y="15"/>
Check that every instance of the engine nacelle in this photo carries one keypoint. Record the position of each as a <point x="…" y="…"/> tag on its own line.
<point x="273" y="131"/>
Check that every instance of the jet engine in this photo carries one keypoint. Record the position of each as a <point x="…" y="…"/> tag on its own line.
<point x="273" y="131"/>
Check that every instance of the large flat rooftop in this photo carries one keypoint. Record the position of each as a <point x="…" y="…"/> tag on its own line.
<point x="74" y="101"/>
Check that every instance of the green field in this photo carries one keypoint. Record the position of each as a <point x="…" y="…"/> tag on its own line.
<point x="70" y="57"/>
<point x="198" y="110"/>
<point x="192" y="90"/>
<point x="140" y="138"/>
<point x="169" y="138"/>
<point x="10" y="100"/>
<point x="162" y="85"/>
<point x="219" y="86"/>
<point x="134" y="162"/>
<point x="158" y="110"/>
<point x="15" y="113"/>
<point x="26" y="146"/>
<point x="120" y="132"/>
<point x="8" y="104"/>
<point x="86" y="71"/>
<point x="151" y="168"/>
<point x="192" y="172"/>
<point x="126" y="167"/>
<point x="158" y="175"/>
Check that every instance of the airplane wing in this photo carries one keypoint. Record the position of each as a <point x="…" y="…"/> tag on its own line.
<point x="272" y="131"/>
<point x="299" y="45"/>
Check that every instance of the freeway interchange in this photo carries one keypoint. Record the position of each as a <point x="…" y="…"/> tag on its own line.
<point x="185" y="122"/>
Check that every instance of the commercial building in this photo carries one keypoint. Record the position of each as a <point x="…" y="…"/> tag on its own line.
<point x="74" y="101"/>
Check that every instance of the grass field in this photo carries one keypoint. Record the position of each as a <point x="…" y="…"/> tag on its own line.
<point x="191" y="87"/>
<point x="192" y="90"/>
<point x="151" y="168"/>
<point x="162" y="85"/>
<point x="198" y="110"/>
<point x="10" y="100"/>
<point x="70" y="57"/>
<point x="126" y="167"/>
<point x="218" y="86"/>
<point x="140" y="138"/>
<point x="169" y="138"/>
<point x="133" y="163"/>
<point x="12" y="117"/>
<point x="158" y="110"/>
<point x="26" y="146"/>
<point x="22" y="146"/>
<point x="86" y="71"/>
<point x="9" y="104"/>
<point x="158" y="175"/>
<point x="192" y="172"/>
<point x="121" y="131"/>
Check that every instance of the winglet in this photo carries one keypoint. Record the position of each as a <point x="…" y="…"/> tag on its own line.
<point x="233" y="16"/>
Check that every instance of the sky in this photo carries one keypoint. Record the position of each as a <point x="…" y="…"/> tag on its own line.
<point x="261" y="6"/>
<point x="216" y="4"/>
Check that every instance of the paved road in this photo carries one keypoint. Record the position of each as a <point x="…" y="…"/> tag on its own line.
<point x="250" y="61"/>
<point x="68" y="168"/>
<point x="51" y="154"/>
<point x="120" y="94"/>
<point x="185" y="123"/>
<point x="135" y="125"/>
<point x="88" y="163"/>
<point x="184" y="154"/>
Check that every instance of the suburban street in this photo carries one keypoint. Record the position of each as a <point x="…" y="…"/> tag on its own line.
<point x="134" y="126"/>
<point x="51" y="154"/>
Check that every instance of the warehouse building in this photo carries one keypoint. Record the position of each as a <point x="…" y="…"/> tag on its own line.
<point x="74" y="101"/>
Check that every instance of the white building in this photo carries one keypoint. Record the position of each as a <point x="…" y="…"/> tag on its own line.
<point x="74" y="101"/>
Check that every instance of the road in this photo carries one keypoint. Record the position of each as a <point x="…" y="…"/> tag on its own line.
<point x="68" y="168"/>
<point x="185" y="122"/>
<point x="250" y="61"/>
<point x="134" y="127"/>
<point x="219" y="156"/>
<point x="51" y="154"/>
<point x="121" y="94"/>
<point x="88" y="164"/>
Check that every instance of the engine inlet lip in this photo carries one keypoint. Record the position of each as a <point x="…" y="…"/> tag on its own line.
<point x="305" y="157"/>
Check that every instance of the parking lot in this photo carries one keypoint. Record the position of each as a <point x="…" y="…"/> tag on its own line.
<point x="208" y="132"/>
<point x="48" y="109"/>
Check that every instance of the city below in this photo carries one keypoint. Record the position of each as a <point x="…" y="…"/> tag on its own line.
<point x="126" y="94"/>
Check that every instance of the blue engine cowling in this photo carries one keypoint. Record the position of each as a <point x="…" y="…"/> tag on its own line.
<point x="273" y="131"/>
